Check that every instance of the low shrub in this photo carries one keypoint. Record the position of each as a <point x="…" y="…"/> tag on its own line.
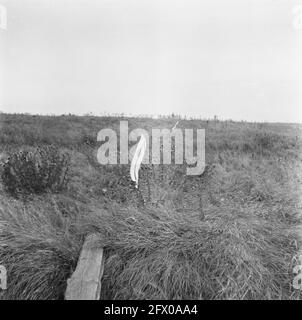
<point x="35" y="171"/>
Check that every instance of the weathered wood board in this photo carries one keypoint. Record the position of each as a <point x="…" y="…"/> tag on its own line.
<point x="85" y="282"/>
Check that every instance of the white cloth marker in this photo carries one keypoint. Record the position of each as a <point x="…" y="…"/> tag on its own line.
<point x="137" y="159"/>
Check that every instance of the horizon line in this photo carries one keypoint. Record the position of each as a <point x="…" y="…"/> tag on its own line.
<point x="148" y="116"/>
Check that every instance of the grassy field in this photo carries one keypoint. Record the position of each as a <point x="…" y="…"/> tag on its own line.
<point x="231" y="233"/>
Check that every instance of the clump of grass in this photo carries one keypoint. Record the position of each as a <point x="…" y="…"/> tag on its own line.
<point x="164" y="254"/>
<point x="37" y="250"/>
<point x="270" y="142"/>
<point x="35" y="171"/>
<point x="265" y="140"/>
<point x="89" y="139"/>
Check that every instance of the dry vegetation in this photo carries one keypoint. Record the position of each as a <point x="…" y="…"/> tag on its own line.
<point x="228" y="234"/>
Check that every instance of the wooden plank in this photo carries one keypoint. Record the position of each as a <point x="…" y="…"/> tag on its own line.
<point x="85" y="282"/>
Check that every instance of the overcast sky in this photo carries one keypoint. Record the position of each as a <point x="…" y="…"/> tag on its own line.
<point x="237" y="59"/>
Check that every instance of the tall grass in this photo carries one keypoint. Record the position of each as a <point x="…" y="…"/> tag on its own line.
<point x="150" y="254"/>
<point x="168" y="255"/>
<point x="36" y="249"/>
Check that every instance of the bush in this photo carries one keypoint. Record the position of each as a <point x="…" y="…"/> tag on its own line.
<point x="269" y="141"/>
<point x="35" y="171"/>
<point x="89" y="139"/>
<point x="264" y="140"/>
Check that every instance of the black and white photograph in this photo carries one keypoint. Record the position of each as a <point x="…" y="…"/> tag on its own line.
<point x="151" y="150"/>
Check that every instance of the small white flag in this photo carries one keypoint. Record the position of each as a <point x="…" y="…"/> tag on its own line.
<point x="137" y="159"/>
